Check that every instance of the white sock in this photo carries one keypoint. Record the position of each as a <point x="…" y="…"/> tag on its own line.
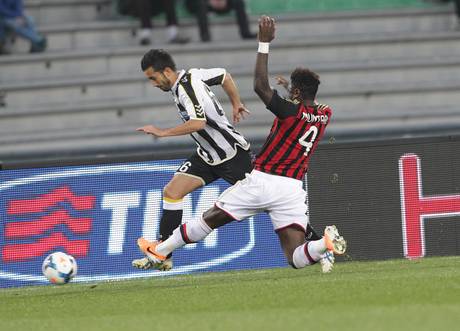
<point x="170" y="204"/>
<point x="317" y="248"/>
<point x="174" y="242"/>
<point x="187" y="233"/>
<point x="172" y="31"/>
<point x="308" y="253"/>
<point x="195" y="230"/>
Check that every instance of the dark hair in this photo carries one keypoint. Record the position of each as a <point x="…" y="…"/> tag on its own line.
<point x="306" y="81"/>
<point x="158" y="59"/>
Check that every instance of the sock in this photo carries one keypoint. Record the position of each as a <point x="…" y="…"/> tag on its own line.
<point x="308" y="253"/>
<point x="172" y="32"/>
<point x="194" y="231"/>
<point x="187" y="233"/>
<point x="174" y="242"/>
<point x="171" y="218"/>
<point x="317" y="248"/>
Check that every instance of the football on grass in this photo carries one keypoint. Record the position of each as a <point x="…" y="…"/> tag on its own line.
<point x="59" y="268"/>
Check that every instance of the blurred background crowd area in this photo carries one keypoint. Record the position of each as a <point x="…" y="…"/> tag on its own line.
<point x="71" y="85"/>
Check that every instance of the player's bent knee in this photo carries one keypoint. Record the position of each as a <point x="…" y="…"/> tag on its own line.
<point x="172" y="194"/>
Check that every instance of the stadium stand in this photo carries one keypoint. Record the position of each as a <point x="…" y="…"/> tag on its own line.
<point x="385" y="72"/>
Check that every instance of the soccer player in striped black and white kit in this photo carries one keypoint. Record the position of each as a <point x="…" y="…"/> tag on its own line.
<point x="275" y="185"/>
<point x="222" y="152"/>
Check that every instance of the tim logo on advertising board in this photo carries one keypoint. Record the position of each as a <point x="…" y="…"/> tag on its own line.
<point x="96" y="213"/>
<point x="417" y="208"/>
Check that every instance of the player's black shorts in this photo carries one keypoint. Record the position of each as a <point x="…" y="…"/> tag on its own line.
<point x="231" y="170"/>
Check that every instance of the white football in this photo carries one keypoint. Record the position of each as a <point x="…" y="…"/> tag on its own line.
<point x="59" y="268"/>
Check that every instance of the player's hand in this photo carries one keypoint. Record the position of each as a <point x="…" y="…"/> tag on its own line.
<point x="280" y="80"/>
<point x="239" y="112"/>
<point x="266" y="29"/>
<point x="150" y="129"/>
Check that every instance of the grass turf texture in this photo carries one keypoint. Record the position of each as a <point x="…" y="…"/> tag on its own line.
<point x="390" y="295"/>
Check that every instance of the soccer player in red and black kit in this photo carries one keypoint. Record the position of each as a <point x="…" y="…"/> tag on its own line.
<point x="275" y="185"/>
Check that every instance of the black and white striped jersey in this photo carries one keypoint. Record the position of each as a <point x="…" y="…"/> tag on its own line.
<point x="194" y="99"/>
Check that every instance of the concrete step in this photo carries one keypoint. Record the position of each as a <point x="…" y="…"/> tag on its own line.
<point x="106" y="140"/>
<point x="98" y="34"/>
<point x="47" y="12"/>
<point x="233" y="54"/>
<point x="29" y="94"/>
<point x="65" y="11"/>
<point x="350" y="103"/>
<point x="259" y="119"/>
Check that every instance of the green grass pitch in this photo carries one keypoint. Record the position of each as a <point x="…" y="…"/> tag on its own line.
<point x="390" y="295"/>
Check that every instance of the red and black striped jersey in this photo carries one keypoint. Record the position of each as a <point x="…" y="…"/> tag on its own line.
<point x="293" y="138"/>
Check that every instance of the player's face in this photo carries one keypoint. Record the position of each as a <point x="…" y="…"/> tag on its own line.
<point x="158" y="79"/>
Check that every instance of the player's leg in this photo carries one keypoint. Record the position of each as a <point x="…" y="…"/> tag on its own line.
<point x="236" y="203"/>
<point x="173" y="194"/>
<point x="192" y="174"/>
<point x="288" y="212"/>
<point x="301" y="253"/>
<point x="236" y="169"/>
<point x="290" y="238"/>
<point x="187" y="233"/>
<point x="327" y="259"/>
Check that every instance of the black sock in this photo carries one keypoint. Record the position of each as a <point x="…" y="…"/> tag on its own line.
<point x="170" y="220"/>
<point x="311" y="234"/>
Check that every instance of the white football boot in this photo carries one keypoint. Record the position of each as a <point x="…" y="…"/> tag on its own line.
<point x="145" y="264"/>
<point x="327" y="262"/>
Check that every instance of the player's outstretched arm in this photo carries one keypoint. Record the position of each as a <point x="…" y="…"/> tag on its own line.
<point x="231" y="89"/>
<point x="185" y="128"/>
<point x="266" y="35"/>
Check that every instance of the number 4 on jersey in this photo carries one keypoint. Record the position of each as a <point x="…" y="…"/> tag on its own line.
<point x="308" y="139"/>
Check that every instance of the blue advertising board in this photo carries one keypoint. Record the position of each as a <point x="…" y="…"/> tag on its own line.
<point x="96" y="213"/>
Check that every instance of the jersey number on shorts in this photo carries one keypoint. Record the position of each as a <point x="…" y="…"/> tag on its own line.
<point x="185" y="166"/>
<point x="308" y="139"/>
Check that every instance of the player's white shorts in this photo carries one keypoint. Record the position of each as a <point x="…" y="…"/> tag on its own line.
<point x="282" y="197"/>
